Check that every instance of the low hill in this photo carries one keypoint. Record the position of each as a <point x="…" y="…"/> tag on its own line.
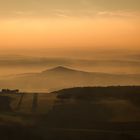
<point x="63" y="77"/>
<point x="96" y="108"/>
<point x="93" y="93"/>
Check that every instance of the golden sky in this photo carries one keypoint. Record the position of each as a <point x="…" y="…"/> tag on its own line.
<point x="90" y="24"/>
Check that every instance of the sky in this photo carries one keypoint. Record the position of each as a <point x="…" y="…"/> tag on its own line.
<point x="69" y="24"/>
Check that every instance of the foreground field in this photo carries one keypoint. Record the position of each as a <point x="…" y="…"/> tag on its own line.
<point x="99" y="113"/>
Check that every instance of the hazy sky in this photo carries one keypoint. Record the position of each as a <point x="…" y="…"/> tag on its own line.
<point x="90" y="24"/>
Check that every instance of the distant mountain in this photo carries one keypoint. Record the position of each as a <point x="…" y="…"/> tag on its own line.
<point x="60" y="69"/>
<point x="62" y="77"/>
<point x="65" y="70"/>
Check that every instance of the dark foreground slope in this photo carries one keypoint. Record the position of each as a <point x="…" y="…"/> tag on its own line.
<point x="88" y="113"/>
<point x="98" y="113"/>
<point x="82" y="107"/>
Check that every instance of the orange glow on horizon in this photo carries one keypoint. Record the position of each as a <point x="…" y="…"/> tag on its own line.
<point x="70" y="32"/>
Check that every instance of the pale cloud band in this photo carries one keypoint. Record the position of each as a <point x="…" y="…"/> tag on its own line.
<point x="60" y="13"/>
<point x="64" y="8"/>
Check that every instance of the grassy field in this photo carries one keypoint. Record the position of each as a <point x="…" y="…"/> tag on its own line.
<point x="72" y="114"/>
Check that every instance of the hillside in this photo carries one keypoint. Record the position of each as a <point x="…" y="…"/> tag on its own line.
<point x="81" y="113"/>
<point x="105" y="104"/>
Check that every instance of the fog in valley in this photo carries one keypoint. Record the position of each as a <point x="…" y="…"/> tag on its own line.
<point x="106" y="61"/>
<point x="54" y="70"/>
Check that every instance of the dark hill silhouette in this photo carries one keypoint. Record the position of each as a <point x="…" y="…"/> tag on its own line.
<point x="59" y="69"/>
<point x="66" y="69"/>
<point x="63" y="70"/>
<point x="103" y="112"/>
<point x="131" y="93"/>
<point x="115" y="108"/>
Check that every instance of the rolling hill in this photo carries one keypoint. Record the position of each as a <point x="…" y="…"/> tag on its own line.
<point x="63" y="77"/>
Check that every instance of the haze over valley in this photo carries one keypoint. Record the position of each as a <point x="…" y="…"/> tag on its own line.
<point x="69" y="69"/>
